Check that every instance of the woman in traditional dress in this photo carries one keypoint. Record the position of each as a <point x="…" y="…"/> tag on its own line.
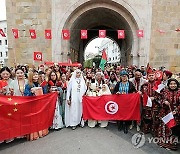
<point x="5" y="81"/>
<point x="73" y="108"/>
<point x="104" y="91"/>
<point x="55" y="86"/>
<point x="124" y="87"/>
<point x="64" y="88"/>
<point x="170" y="103"/>
<point x="17" y="86"/>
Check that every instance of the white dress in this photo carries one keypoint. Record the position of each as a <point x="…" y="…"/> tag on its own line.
<point x="57" y="121"/>
<point x="75" y="90"/>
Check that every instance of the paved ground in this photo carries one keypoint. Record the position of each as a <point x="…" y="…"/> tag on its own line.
<point x="82" y="141"/>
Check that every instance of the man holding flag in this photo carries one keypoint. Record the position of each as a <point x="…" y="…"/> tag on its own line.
<point x="150" y="106"/>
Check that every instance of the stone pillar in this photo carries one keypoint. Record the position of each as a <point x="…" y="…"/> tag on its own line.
<point x="25" y="15"/>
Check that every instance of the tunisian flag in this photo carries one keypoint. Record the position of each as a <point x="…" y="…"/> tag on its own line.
<point x="24" y="115"/>
<point x="112" y="107"/>
<point x="121" y="34"/>
<point x="2" y="33"/>
<point x="32" y="33"/>
<point x="169" y="120"/>
<point x="15" y="33"/>
<point x="48" y="34"/>
<point x="140" y="33"/>
<point x="66" y="34"/>
<point x="84" y="34"/>
<point x="38" y="56"/>
<point x="102" y="33"/>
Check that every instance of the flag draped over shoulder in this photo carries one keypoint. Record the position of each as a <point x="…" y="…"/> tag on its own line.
<point x="112" y="107"/>
<point x="24" y="115"/>
<point x="103" y="60"/>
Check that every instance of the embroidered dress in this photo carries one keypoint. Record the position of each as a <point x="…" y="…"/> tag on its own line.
<point x="173" y="97"/>
<point x="150" y="120"/>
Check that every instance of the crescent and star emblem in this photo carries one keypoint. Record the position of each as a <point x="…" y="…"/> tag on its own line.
<point x="111" y="107"/>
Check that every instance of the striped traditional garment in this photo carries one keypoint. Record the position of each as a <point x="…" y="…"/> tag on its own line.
<point x="124" y="88"/>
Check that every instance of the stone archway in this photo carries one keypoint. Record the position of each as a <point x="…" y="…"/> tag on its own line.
<point x="95" y="15"/>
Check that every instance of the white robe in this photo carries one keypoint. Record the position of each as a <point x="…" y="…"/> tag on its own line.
<point x="73" y="113"/>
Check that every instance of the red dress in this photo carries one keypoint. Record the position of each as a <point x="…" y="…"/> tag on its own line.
<point x="173" y="97"/>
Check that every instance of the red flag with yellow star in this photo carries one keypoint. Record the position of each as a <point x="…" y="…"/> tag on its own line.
<point x="24" y="115"/>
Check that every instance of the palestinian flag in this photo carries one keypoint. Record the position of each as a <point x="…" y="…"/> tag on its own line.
<point x="103" y="60"/>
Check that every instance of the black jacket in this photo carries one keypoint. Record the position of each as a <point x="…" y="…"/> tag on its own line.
<point x="131" y="88"/>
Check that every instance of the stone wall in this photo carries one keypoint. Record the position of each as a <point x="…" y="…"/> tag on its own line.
<point x="25" y="15"/>
<point x="165" y="47"/>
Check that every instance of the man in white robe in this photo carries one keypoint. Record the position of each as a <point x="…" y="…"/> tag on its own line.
<point x="73" y="108"/>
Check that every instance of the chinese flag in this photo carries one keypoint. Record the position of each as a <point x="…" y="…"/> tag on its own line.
<point x="15" y="33"/>
<point x="102" y="33"/>
<point x="84" y="34"/>
<point x="3" y="84"/>
<point x="66" y="34"/>
<point x="48" y="34"/>
<point x="38" y="56"/>
<point x="121" y="34"/>
<point x="112" y="107"/>
<point x="32" y="33"/>
<point x="24" y="115"/>
<point x="2" y="33"/>
<point x="140" y="33"/>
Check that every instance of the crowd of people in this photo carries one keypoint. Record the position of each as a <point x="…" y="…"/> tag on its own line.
<point x="72" y="83"/>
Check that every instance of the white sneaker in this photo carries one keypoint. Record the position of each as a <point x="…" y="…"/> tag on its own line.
<point x="131" y="126"/>
<point x="138" y="128"/>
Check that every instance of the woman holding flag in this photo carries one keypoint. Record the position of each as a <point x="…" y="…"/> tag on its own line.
<point x="170" y="115"/>
<point x="5" y="81"/>
<point x="124" y="87"/>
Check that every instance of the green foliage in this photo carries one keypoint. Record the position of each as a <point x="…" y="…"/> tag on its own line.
<point x="89" y="63"/>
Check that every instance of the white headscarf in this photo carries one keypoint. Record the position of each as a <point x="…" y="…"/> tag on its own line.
<point x="106" y="91"/>
<point x="73" y="80"/>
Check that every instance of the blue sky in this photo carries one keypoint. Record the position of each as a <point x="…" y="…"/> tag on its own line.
<point x="3" y="10"/>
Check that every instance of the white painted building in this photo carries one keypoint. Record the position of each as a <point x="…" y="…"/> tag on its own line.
<point x="112" y="51"/>
<point x="3" y="44"/>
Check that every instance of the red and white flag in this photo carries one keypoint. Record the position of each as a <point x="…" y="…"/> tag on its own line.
<point x="32" y="33"/>
<point x="84" y="34"/>
<point x="48" y="34"/>
<point x="158" y="75"/>
<point x="169" y="120"/>
<point x="38" y="56"/>
<point x="140" y="33"/>
<point x="15" y="33"/>
<point x="2" y="33"/>
<point x="147" y="100"/>
<point x="158" y="86"/>
<point x="102" y="33"/>
<point x="65" y="34"/>
<point x="121" y="34"/>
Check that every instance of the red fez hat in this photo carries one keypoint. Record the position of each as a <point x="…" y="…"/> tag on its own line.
<point x="168" y="73"/>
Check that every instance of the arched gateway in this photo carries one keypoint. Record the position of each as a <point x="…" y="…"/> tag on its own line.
<point x="93" y="16"/>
